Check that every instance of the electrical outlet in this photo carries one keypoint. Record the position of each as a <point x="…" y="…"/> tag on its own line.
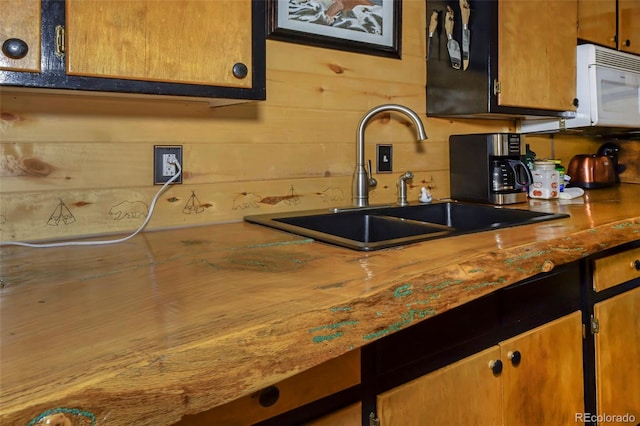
<point x="164" y="163"/>
<point x="385" y="158"/>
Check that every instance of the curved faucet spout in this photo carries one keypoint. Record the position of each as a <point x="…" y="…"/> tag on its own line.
<point x="361" y="179"/>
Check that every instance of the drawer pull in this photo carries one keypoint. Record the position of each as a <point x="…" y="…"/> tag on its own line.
<point x="515" y="358"/>
<point x="636" y="264"/>
<point x="269" y="396"/>
<point x="496" y="367"/>
<point x="240" y="70"/>
<point x="15" y="48"/>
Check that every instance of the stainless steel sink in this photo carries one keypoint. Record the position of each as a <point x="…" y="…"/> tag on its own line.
<point x="380" y="227"/>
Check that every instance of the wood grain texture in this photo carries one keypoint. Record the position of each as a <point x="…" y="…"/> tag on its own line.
<point x="629" y="158"/>
<point x="628" y="29"/>
<point x="463" y="393"/>
<point x="597" y="22"/>
<point x="318" y="382"/>
<point x="95" y="154"/>
<point x="537" y="51"/>
<point x="21" y="19"/>
<point x="125" y="332"/>
<point x="618" y="381"/>
<point x="546" y="387"/>
<point x="188" y="41"/>
<point x="613" y="270"/>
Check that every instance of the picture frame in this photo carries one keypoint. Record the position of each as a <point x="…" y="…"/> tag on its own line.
<point x="370" y="27"/>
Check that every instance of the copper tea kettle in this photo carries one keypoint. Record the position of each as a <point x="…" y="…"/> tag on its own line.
<point x="591" y="171"/>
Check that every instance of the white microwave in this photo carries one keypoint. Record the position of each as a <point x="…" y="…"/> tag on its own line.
<point x="608" y="94"/>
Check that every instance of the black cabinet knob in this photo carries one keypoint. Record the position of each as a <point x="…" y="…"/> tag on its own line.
<point x="269" y="396"/>
<point x="240" y="70"/>
<point x="576" y="102"/>
<point x="496" y="367"/>
<point x="636" y="264"/>
<point x="627" y="43"/>
<point x="15" y="48"/>
<point x="515" y="358"/>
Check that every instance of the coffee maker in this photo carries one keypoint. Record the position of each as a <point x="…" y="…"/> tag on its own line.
<point x="487" y="168"/>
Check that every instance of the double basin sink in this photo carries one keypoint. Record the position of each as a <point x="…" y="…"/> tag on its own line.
<point x="374" y="228"/>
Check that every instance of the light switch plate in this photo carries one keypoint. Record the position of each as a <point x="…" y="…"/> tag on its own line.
<point x="384" y="163"/>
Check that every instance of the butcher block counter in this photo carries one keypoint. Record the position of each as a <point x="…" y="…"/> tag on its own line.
<point x="177" y="322"/>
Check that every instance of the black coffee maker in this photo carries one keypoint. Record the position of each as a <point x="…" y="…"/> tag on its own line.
<point x="487" y="168"/>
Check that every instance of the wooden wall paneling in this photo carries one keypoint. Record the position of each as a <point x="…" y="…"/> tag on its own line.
<point x="294" y="151"/>
<point x="629" y="156"/>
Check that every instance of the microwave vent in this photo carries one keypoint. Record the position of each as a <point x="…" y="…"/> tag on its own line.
<point x="616" y="60"/>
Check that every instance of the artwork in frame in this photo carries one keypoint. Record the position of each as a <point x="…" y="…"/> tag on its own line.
<point x="365" y="26"/>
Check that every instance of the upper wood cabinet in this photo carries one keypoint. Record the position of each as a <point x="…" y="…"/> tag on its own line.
<point x="536" y="54"/>
<point x="611" y="23"/>
<point x="193" y="48"/>
<point x="522" y="61"/>
<point x="20" y="35"/>
<point x="628" y="26"/>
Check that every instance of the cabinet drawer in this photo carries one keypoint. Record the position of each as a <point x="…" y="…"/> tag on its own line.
<point x="321" y="381"/>
<point x="616" y="269"/>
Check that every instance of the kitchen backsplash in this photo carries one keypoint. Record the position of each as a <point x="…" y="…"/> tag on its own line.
<point x="75" y="166"/>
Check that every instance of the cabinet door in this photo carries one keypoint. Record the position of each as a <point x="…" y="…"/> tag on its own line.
<point x="537" y="54"/>
<point x="463" y="393"/>
<point x="618" y="354"/>
<point x="597" y="22"/>
<point x="629" y="26"/>
<point x="348" y="416"/>
<point x="185" y="41"/>
<point x="546" y="386"/>
<point x="20" y="19"/>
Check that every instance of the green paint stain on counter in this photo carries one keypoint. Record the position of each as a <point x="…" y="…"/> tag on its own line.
<point x="625" y="225"/>
<point x="486" y="284"/>
<point x="527" y="256"/>
<point x="332" y="336"/>
<point x="403" y="291"/>
<point x="341" y="309"/>
<point x="329" y="337"/>
<point x="75" y="412"/>
<point x="405" y="320"/>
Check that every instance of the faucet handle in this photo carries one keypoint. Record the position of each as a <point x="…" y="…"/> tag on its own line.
<point x="372" y="181"/>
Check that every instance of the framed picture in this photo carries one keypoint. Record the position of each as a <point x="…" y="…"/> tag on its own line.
<point x="365" y="26"/>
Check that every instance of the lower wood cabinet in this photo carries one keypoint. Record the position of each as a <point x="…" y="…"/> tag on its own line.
<point x="617" y="347"/>
<point x="349" y="416"/>
<point x="560" y="348"/>
<point x="464" y="393"/>
<point x="321" y="381"/>
<point x="534" y="378"/>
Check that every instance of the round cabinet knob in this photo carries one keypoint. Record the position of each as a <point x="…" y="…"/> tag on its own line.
<point x="15" y="48"/>
<point x="240" y="70"/>
<point x="515" y="358"/>
<point x="269" y="396"/>
<point x="636" y="264"/>
<point x="576" y="102"/>
<point x="496" y="367"/>
<point x="627" y="43"/>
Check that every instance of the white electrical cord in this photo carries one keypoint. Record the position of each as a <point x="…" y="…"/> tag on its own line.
<point x="96" y="243"/>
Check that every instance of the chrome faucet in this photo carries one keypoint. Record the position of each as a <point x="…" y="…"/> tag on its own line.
<point x="362" y="182"/>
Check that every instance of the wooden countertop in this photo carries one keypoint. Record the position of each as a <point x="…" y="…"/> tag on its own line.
<point x="176" y="322"/>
